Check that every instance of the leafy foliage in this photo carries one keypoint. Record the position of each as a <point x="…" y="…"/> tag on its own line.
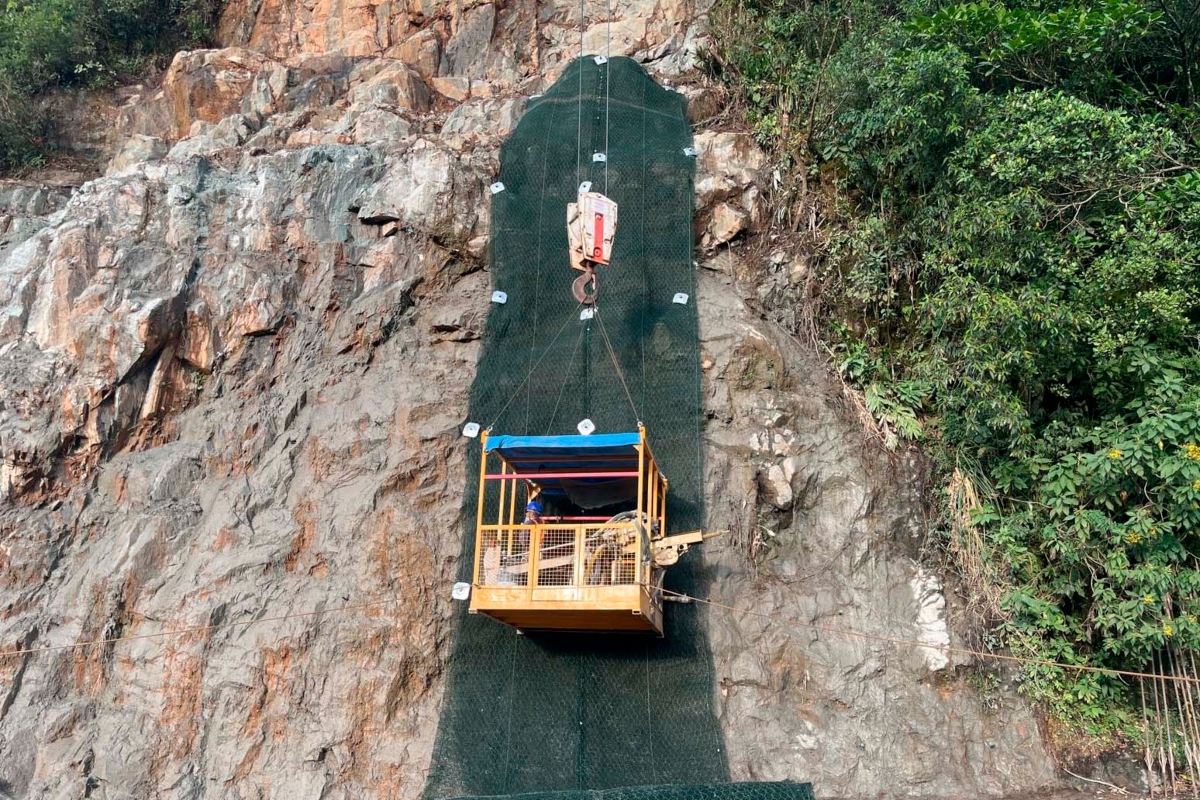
<point x="1014" y="281"/>
<point x="91" y="43"/>
<point x="1081" y="48"/>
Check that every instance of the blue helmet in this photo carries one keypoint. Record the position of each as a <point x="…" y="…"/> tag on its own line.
<point x="534" y="506"/>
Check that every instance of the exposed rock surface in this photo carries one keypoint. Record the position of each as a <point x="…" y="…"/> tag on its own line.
<point x="824" y="535"/>
<point x="232" y="373"/>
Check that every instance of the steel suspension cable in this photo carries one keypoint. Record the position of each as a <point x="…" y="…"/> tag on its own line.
<point x="612" y="354"/>
<point x="607" y="82"/>
<point x="579" y="121"/>
<point x="566" y="375"/>
<point x="541" y="208"/>
<point x="537" y="364"/>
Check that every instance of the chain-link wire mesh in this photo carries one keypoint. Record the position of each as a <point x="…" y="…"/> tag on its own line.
<point x="554" y="712"/>
<point x="783" y="790"/>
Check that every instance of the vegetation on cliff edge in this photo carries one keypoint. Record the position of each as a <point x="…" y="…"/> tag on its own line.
<point x="91" y="43"/>
<point x="1013" y="277"/>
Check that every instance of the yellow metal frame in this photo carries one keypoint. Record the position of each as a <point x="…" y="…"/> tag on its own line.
<point x="552" y="576"/>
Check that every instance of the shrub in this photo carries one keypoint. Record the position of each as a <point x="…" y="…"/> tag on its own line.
<point x="1011" y="277"/>
<point x="90" y="43"/>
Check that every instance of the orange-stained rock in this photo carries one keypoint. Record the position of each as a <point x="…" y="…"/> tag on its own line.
<point x="389" y="83"/>
<point x="209" y="85"/>
<point x="423" y="50"/>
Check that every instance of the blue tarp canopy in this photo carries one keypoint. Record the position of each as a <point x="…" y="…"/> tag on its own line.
<point x="599" y="447"/>
<point x="604" y="452"/>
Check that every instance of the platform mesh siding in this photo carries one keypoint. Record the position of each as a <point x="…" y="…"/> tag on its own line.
<point x="552" y="712"/>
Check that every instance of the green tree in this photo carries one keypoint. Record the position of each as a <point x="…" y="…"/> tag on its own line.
<point x="90" y="43"/>
<point x="1012" y="278"/>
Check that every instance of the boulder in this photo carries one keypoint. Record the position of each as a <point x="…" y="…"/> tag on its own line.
<point x="727" y="165"/>
<point x="389" y="84"/>
<point x="138" y="149"/>
<point x="724" y="223"/>
<point x="456" y="89"/>
<point x="209" y="85"/>
<point x="422" y="51"/>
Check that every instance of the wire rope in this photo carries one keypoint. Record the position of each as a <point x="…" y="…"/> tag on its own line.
<point x="637" y="415"/>
<point x="538" y="272"/>
<point x="642" y="239"/>
<point x="607" y="82"/>
<point x="533" y="369"/>
<point x="579" y="122"/>
<point x="566" y="375"/>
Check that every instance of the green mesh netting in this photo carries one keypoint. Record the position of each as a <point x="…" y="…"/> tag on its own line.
<point x="554" y="712"/>
<point x="783" y="790"/>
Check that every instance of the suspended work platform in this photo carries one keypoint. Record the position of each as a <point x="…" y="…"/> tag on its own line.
<point x="597" y="562"/>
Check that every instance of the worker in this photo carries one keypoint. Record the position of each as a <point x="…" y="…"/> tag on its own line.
<point x="533" y="516"/>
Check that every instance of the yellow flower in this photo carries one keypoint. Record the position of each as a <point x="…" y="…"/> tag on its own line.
<point x="1191" y="618"/>
<point x="1133" y="538"/>
<point x="1167" y="629"/>
<point x="1196" y="485"/>
<point x="1148" y="599"/>
<point x="1114" y="454"/>
<point x="1191" y="451"/>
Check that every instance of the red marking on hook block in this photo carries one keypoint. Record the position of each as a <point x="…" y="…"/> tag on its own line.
<point x="598" y="238"/>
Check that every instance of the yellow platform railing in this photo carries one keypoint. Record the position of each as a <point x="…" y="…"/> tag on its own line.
<point x="561" y="556"/>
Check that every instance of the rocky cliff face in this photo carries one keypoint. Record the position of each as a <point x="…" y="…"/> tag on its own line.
<point x="232" y="373"/>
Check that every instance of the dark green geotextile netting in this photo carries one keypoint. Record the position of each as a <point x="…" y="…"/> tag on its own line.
<point x="558" y="712"/>
<point x="784" y="790"/>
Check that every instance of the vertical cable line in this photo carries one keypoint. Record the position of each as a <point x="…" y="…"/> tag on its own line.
<point x="512" y="691"/>
<point x="649" y="715"/>
<point x="537" y="284"/>
<point x="580" y="711"/>
<point x="607" y="81"/>
<point x="579" y="122"/>
<point x="565" y="380"/>
<point x="646" y="261"/>
<point x="587" y="338"/>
